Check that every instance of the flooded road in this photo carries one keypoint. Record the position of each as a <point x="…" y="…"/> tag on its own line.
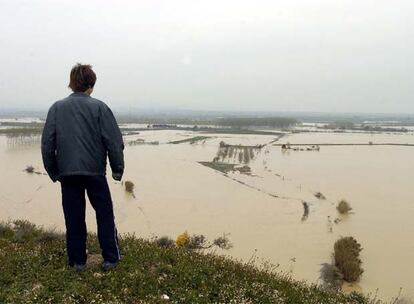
<point x="262" y="212"/>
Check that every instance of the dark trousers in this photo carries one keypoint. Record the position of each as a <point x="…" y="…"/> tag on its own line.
<point x="74" y="204"/>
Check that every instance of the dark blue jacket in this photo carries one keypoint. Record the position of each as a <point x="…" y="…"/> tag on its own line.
<point x="79" y="133"/>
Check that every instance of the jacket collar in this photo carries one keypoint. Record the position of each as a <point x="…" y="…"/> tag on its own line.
<point x="80" y="94"/>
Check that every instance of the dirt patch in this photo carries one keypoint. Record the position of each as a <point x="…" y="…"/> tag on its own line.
<point x="94" y="260"/>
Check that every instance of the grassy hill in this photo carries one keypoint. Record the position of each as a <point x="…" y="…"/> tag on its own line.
<point x="33" y="270"/>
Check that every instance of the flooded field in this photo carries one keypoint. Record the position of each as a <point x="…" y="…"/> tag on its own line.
<point x="261" y="208"/>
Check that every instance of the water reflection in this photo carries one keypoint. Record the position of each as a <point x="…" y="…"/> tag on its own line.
<point x="18" y="140"/>
<point x="237" y="153"/>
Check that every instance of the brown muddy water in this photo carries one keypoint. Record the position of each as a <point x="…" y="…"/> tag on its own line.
<point x="262" y="212"/>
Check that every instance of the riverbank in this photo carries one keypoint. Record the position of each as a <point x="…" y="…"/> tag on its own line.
<point x="34" y="270"/>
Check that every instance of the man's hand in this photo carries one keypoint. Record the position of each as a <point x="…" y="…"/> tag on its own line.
<point x="117" y="176"/>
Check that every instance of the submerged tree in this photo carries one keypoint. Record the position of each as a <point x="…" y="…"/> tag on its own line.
<point x="346" y="257"/>
<point x="343" y="207"/>
<point x="305" y="210"/>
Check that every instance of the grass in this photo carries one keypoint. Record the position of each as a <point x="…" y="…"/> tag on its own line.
<point x="346" y="257"/>
<point x="34" y="270"/>
<point x="191" y="140"/>
<point x="343" y="207"/>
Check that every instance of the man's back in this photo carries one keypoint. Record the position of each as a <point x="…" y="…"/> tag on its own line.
<point x="79" y="133"/>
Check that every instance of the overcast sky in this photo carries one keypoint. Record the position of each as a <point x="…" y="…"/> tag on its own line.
<point x="276" y="55"/>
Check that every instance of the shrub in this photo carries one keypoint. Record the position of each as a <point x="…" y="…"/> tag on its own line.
<point x="50" y="235"/>
<point x="320" y="196"/>
<point x="6" y="230"/>
<point x="29" y="169"/>
<point x="346" y="256"/>
<point x="182" y="240"/>
<point x="244" y="169"/>
<point x="25" y="231"/>
<point x="196" y="241"/>
<point x="165" y="241"/>
<point x="343" y="207"/>
<point x="305" y="210"/>
<point x="223" y="242"/>
<point x="129" y="186"/>
<point x="240" y="156"/>
<point x="199" y="241"/>
<point x="331" y="276"/>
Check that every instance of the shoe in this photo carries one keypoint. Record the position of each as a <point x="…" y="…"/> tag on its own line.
<point x="106" y="266"/>
<point x="79" y="267"/>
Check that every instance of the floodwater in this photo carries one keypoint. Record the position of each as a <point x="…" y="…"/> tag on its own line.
<point x="262" y="212"/>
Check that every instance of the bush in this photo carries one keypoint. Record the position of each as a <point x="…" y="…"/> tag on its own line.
<point x="25" y="231"/>
<point x="320" y="196"/>
<point x="305" y="210"/>
<point x="223" y="242"/>
<point x="6" y="230"/>
<point x="343" y="207"/>
<point x="346" y="256"/>
<point x="331" y="276"/>
<point x="199" y="241"/>
<point x="29" y="169"/>
<point x="182" y="240"/>
<point x="165" y="241"/>
<point x="50" y="235"/>
<point x="129" y="186"/>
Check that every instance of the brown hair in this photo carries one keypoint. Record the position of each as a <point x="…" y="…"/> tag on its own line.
<point x="82" y="77"/>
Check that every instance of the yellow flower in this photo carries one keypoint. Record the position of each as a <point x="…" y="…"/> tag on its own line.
<point x="182" y="239"/>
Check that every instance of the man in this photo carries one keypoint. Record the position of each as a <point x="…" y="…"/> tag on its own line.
<point x="79" y="133"/>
